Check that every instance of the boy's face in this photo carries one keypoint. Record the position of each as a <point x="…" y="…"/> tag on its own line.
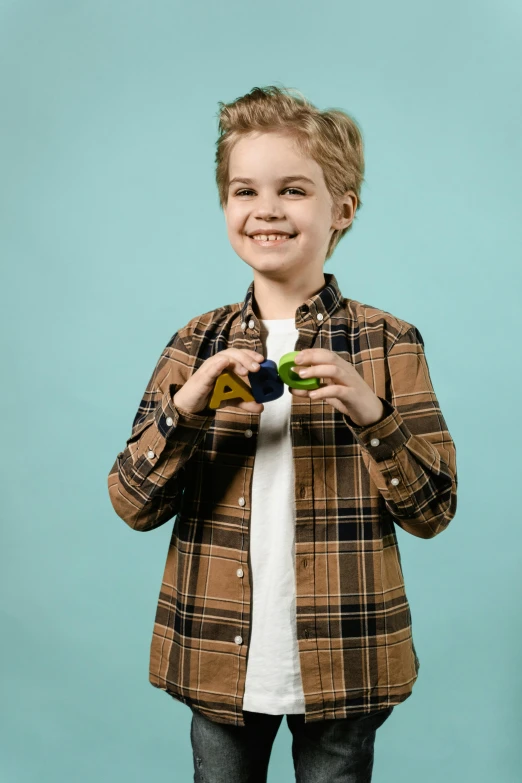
<point x="267" y="204"/>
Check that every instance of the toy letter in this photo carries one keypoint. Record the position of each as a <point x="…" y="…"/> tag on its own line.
<point x="265" y="383"/>
<point x="290" y="377"/>
<point x="229" y="386"/>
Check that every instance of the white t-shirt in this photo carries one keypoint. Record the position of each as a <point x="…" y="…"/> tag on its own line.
<point x="273" y="679"/>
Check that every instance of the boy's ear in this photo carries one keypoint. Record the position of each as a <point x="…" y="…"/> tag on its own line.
<point x="345" y="210"/>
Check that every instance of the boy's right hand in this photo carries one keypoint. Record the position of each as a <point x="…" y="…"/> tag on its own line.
<point x="195" y="394"/>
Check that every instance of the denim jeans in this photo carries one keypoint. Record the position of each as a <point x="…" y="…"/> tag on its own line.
<point x="327" y="751"/>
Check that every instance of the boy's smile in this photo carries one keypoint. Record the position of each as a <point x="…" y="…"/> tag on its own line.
<point x="271" y="240"/>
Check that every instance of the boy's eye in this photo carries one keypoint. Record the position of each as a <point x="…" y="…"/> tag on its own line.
<point x="246" y="190"/>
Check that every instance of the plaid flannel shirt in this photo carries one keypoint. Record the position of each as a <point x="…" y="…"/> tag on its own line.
<point x="353" y="484"/>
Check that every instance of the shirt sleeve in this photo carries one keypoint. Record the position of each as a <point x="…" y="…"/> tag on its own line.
<point x="409" y="452"/>
<point x="146" y="481"/>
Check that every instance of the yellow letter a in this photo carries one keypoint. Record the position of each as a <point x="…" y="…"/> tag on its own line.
<point x="229" y="386"/>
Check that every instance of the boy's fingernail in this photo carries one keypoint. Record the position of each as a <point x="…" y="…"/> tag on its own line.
<point x="255" y="365"/>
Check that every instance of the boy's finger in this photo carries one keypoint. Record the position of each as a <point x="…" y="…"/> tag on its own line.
<point x="246" y="357"/>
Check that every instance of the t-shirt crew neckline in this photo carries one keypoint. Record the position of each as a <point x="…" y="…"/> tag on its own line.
<point x="278" y="324"/>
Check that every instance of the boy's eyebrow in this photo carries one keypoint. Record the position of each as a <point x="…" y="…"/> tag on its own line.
<point x="290" y="178"/>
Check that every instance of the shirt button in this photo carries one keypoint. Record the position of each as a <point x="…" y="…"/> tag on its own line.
<point x="150" y="454"/>
<point x="241" y="501"/>
<point x="170" y="422"/>
<point x="320" y="316"/>
<point x="248" y="433"/>
<point x="238" y="639"/>
<point x="243" y="325"/>
<point x="251" y="324"/>
<point x="395" y="481"/>
<point x="375" y="441"/>
<point x="239" y="572"/>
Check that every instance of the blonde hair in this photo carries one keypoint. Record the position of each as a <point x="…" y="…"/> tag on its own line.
<point x="332" y="138"/>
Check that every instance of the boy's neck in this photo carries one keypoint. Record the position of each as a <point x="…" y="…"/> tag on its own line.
<point x="275" y="300"/>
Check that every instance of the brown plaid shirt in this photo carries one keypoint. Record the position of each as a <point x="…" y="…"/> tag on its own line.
<point x="352" y="485"/>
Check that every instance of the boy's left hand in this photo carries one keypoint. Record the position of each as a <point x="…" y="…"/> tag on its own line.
<point x="345" y="389"/>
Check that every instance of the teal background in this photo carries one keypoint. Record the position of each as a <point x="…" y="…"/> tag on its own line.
<point x="111" y="239"/>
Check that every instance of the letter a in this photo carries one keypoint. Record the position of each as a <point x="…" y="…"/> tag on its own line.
<point x="229" y="386"/>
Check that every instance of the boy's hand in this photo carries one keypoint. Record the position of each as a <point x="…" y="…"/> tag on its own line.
<point x="348" y="393"/>
<point x="195" y="394"/>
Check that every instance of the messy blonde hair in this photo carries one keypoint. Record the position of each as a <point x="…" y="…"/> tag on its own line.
<point x="332" y="138"/>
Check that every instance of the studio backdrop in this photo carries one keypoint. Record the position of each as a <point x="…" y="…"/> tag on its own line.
<point x="111" y="238"/>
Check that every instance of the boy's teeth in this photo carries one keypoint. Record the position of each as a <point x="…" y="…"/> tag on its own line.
<point x="264" y="237"/>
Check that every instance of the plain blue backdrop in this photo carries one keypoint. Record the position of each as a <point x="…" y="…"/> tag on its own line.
<point x="109" y="225"/>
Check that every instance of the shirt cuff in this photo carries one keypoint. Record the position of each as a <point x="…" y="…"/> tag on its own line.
<point x="169" y="417"/>
<point x="383" y="438"/>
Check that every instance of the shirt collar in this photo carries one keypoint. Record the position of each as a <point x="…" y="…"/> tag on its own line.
<point x="319" y="307"/>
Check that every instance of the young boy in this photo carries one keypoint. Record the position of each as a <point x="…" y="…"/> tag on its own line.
<point x="283" y="592"/>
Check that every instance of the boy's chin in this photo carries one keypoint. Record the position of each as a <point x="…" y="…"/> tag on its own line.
<point x="275" y="269"/>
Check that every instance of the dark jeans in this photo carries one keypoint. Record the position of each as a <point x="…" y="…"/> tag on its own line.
<point x="326" y="751"/>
